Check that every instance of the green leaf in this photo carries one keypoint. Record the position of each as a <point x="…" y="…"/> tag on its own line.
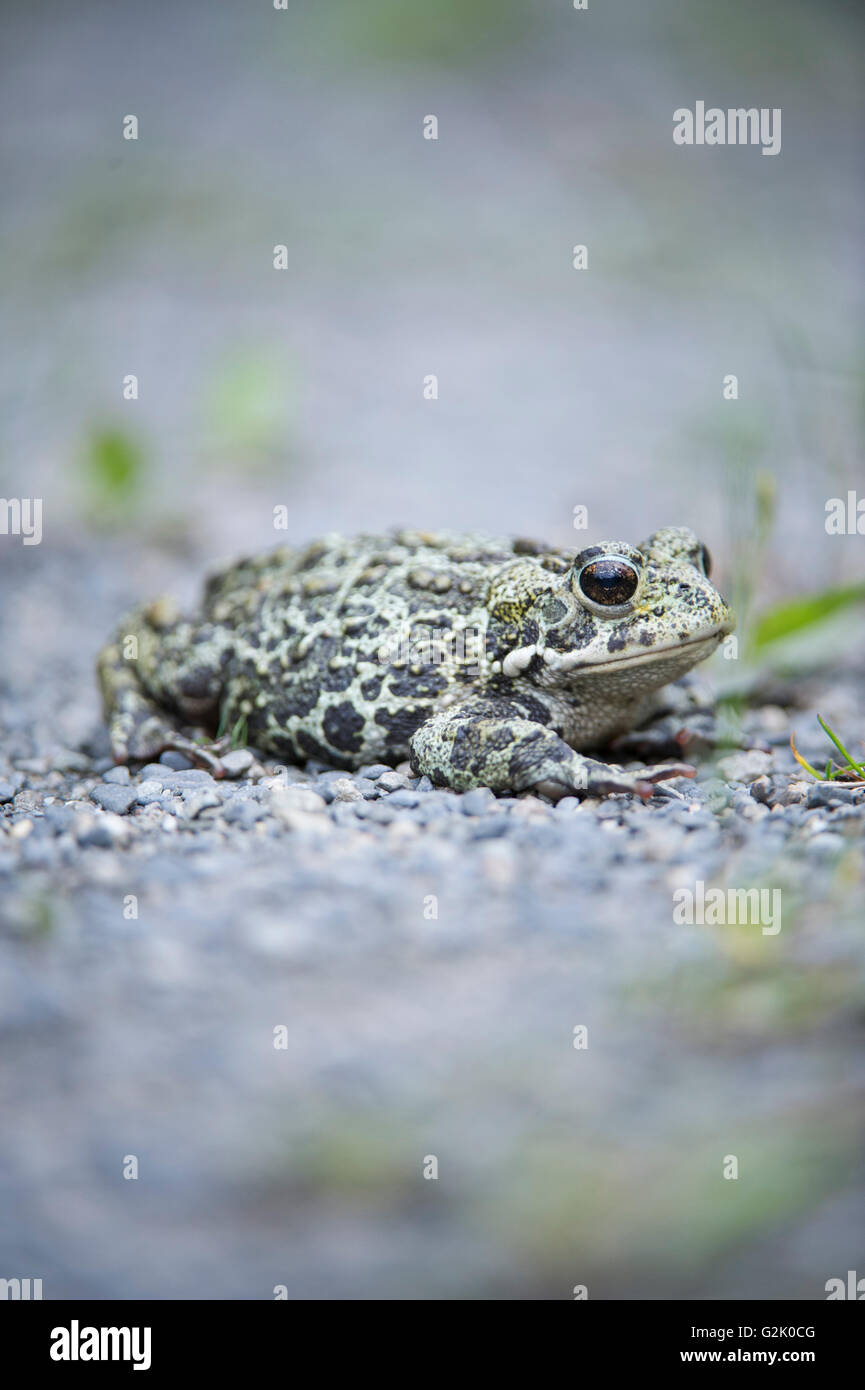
<point x="799" y="613"/>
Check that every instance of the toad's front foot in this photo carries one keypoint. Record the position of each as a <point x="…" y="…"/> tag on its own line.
<point x="490" y="743"/>
<point x="206" y="755"/>
<point x="147" y="741"/>
<point x="149" y="709"/>
<point x="608" y="779"/>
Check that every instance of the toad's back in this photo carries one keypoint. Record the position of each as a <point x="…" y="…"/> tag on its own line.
<point x="329" y="656"/>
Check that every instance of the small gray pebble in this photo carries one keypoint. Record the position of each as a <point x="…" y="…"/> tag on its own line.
<point x="374" y="770"/>
<point x="237" y="762"/>
<point x="393" y="781"/>
<point x="841" y="813"/>
<point x="152" y="772"/>
<point x="36" y="766"/>
<point x="716" y="793"/>
<point x="7" y="793"/>
<point x="242" y="812"/>
<point x="288" y="798"/>
<point x="176" y="761"/>
<point x="761" y="790"/>
<point x="69" y="760"/>
<point x="488" y="827"/>
<point x="105" y="832"/>
<point x="191" y="777"/>
<point x="118" y="775"/>
<point x="379" y="812"/>
<point x="118" y="800"/>
<point x="793" y="793"/>
<point x="403" y="796"/>
<point x="436" y="808"/>
<point x="346" y="789"/>
<point x="325" y="790"/>
<point x="201" y="801"/>
<point x="189" y="790"/>
<point x="745" y="765"/>
<point x="477" y="802"/>
<point x="829" y="793"/>
<point x="424" y="784"/>
<point x="148" y="792"/>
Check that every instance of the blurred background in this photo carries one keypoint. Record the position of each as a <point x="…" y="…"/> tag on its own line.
<point x="303" y="388"/>
<point x="409" y="256"/>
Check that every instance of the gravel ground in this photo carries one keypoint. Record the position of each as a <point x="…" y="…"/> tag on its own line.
<point x="285" y="991"/>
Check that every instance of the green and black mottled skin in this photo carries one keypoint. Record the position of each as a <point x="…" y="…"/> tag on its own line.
<point x="481" y="660"/>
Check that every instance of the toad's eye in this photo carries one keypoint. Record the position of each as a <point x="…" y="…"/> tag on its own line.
<point x="705" y="560"/>
<point x="610" y="582"/>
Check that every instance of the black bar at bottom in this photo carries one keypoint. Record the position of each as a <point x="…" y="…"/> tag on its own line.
<point x="66" y="1338"/>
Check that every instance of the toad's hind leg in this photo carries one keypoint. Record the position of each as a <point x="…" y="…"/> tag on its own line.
<point x="157" y="673"/>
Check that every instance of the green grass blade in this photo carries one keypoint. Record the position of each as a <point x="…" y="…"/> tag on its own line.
<point x="841" y="749"/>
<point x="802" y="761"/>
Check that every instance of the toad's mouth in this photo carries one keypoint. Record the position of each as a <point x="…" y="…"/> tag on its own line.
<point x="575" y="661"/>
